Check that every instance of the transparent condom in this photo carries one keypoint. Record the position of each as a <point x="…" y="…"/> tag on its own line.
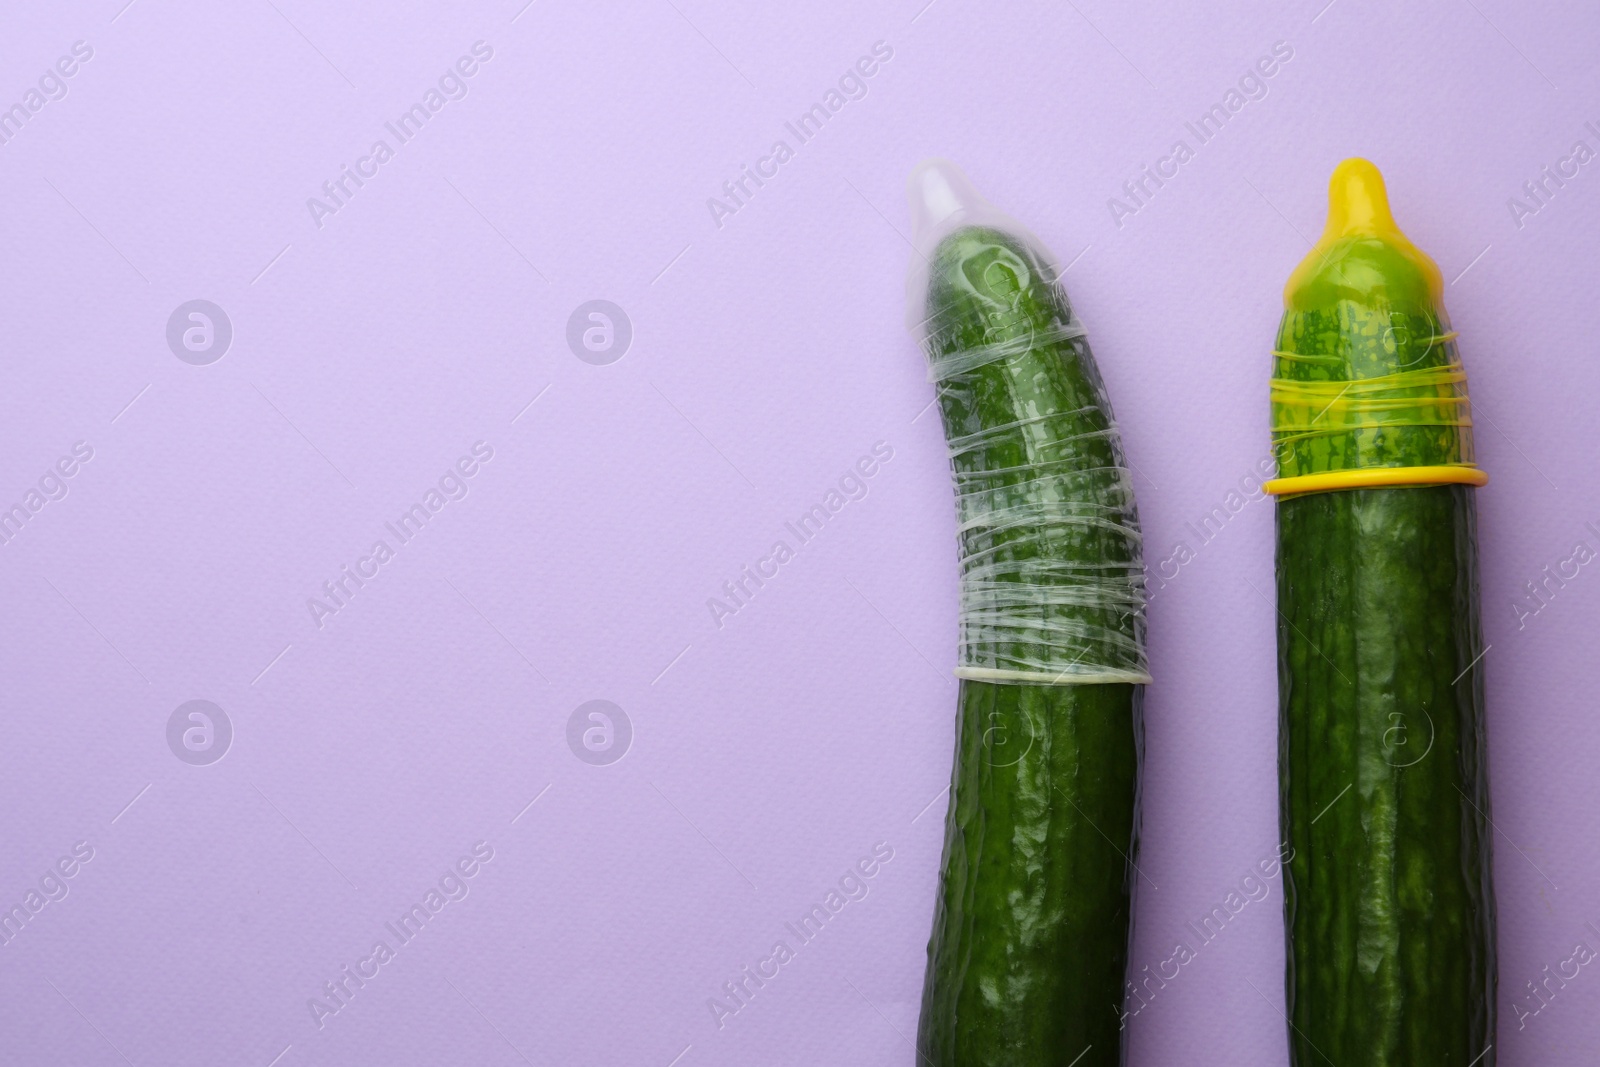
<point x="1031" y="611"/>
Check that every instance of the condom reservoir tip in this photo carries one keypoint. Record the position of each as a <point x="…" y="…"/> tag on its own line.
<point x="1362" y="254"/>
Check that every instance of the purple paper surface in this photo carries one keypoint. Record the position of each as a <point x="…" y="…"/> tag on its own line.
<point x="396" y="347"/>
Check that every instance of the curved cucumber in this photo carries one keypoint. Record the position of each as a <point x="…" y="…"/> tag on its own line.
<point x="1028" y="956"/>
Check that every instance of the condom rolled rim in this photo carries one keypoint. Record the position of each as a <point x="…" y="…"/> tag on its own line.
<point x="1376" y="478"/>
<point x="989" y="674"/>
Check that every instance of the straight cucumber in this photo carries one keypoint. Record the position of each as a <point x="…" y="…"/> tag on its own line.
<point x="1388" y="899"/>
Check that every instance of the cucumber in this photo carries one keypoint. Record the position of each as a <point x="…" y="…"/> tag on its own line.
<point x="1028" y="956"/>
<point x="1388" y="897"/>
<point x="1029" y="952"/>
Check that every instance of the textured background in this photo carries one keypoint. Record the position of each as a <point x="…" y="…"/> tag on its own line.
<point x="764" y="756"/>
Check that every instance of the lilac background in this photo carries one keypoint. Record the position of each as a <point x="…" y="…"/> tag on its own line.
<point x="768" y="355"/>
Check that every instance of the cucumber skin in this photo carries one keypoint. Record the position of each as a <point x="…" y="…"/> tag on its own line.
<point x="1388" y="899"/>
<point x="1032" y="928"/>
<point x="1028" y="955"/>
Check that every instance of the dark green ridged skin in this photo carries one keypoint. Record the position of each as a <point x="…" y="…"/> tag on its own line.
<point x="1028" y="956"/>
<point x="1388" y="899"/>
<point x="1029" y="951"/>
<point x="1388" y="903"/>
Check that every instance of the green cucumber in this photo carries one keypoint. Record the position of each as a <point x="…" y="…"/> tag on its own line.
<point x="1388" y="897"/>
<point x="1029" y="952"/>
<point x="1028" y="956"/>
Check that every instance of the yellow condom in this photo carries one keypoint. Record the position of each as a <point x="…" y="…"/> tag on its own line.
<point x="1368" y="388"/>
